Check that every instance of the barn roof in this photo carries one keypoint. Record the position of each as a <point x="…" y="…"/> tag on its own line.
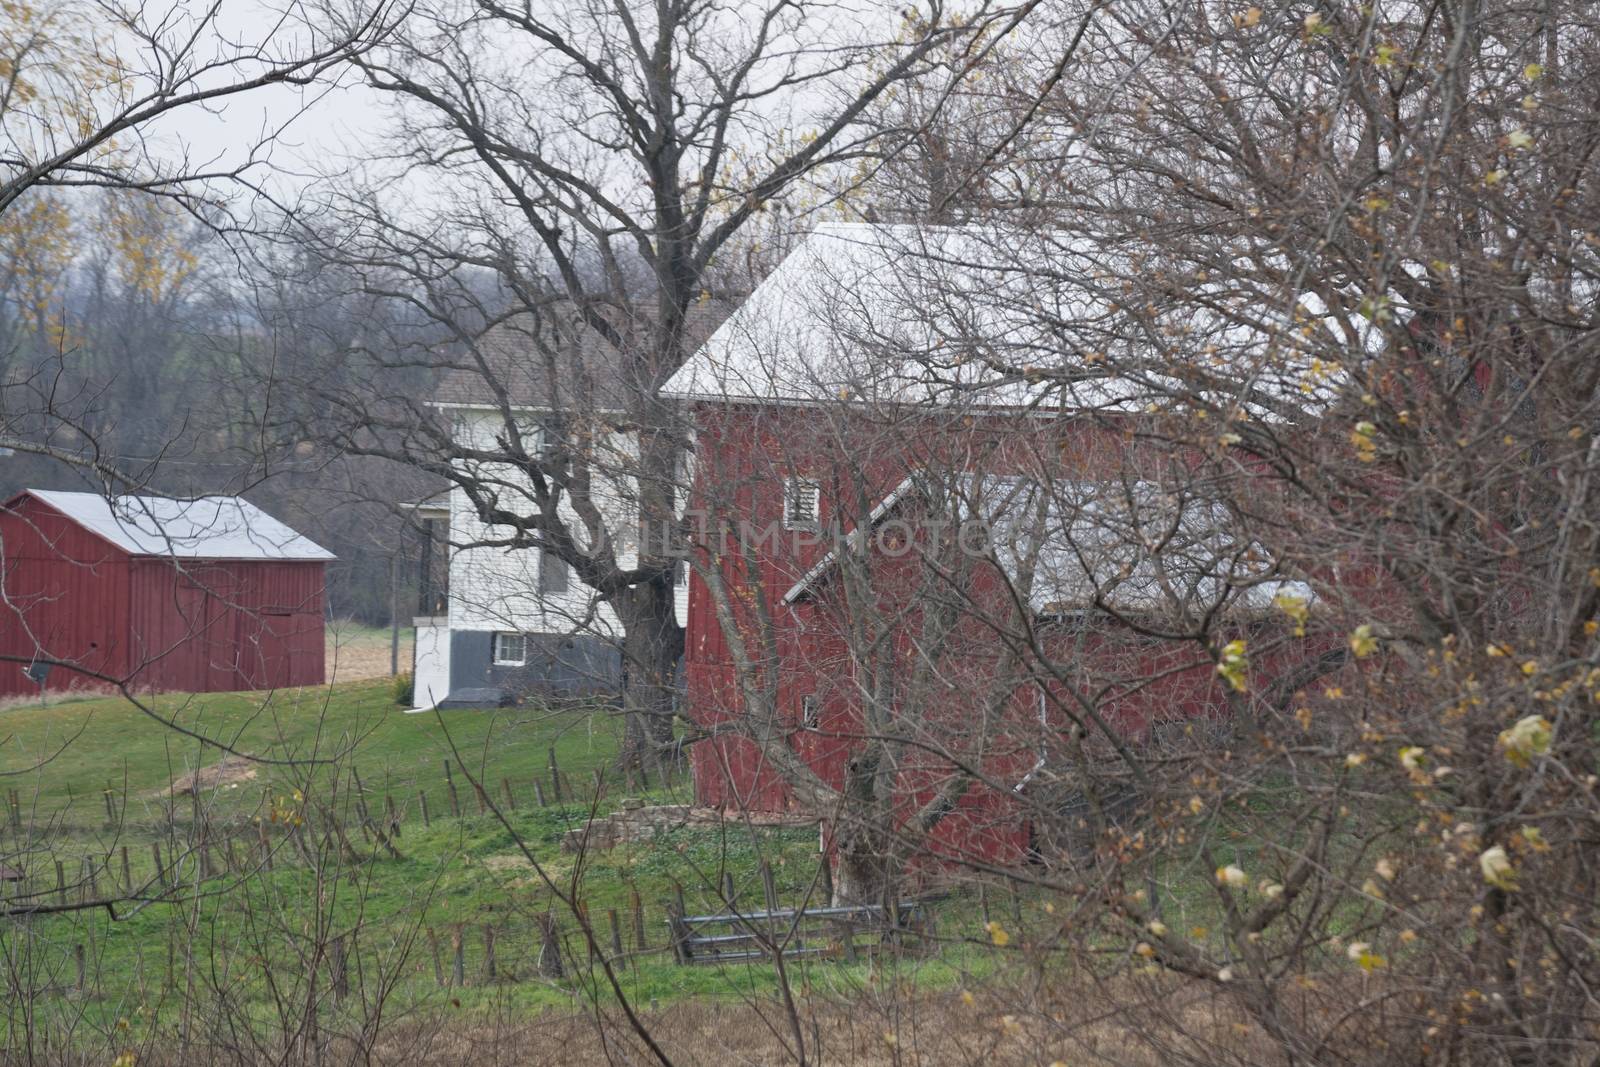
<point x="554" y="361"/>
<point x="208" y="527"/>
<point x="984" y="316"/>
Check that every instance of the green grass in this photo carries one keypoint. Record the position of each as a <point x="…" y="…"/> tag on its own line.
<point x="62" y="758"/>
<point x="452" y="874"/>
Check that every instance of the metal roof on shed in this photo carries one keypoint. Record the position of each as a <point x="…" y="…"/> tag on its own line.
<point x="208" y="527"/>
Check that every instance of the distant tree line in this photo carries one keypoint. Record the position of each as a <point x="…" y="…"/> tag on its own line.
<point x="133" y="349"/>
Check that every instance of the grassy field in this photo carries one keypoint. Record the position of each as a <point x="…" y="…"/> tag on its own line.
<point x="244" y="934"/>
<point x="63" y="757"/>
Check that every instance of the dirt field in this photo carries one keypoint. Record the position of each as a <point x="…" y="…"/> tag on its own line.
<point x="356" y="652"/>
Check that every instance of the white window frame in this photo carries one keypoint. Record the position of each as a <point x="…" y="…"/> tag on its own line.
<point x="810" y="712"/>
<point x="502" y="661"/>
<point x="792" y="489"/>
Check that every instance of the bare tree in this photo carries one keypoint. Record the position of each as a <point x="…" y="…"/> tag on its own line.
<point x="1337" y="268"/>
<point x="605" y="166"/>
<point x="83" y="87"/>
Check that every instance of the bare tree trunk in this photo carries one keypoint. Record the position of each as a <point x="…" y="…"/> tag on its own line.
<point x="652" y="645"/>
<point x="394" y="616"/>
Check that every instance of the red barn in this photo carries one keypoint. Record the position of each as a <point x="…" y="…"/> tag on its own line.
<point x="846" y="412"/>
<point x="203" y="595"/>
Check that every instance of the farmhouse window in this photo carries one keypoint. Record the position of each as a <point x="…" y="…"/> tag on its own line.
<point x="810" y="711"/>
<point x="552" y="573"/>
<point x="510" y="650"/>
<point x="548" y="437"/>
<point x="800" y="504"/>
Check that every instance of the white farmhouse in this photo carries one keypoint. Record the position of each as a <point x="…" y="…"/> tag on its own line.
<point x="498" y="622"/>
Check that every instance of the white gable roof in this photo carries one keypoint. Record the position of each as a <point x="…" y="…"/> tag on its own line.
<point x="208" y="527"/>
<point x="921" y="314"/>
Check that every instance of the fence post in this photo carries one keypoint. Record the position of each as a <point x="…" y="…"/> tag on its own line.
<point x="78" y="958"/>
<point x="511" y="801"/>
<point x="769" y="889"/>
<point x="488" y="952"/>
<point x="127" y="871"/>
<point x="91" y="880"/>
<point x="111" y="811"/>
<point x="450" y="785"/>
<point x="728" y="893"/>
<point x="639" y="942"/>
<point x="616" y="933"/>
<point x="61" y="885"/>
<point x="549" y="947"/>
<point x="555" y="776"/>
<point x="266" y="845"/>
<point x="438" y="964"/>
<point x="679" y="932"/>
<point x="341" y="974"/>
<point x="422" y="798"/>
<point x="161" y="872"/>
<point x="538" y="793"/>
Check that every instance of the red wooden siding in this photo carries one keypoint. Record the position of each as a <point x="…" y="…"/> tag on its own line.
<point x="162" y="624"/>
<point x="65" y="594"/>
<point x="742" y="454"/>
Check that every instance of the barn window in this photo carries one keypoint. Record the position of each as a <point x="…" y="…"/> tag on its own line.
<point x="810" y="711"/>
<point x="800" y="504"/>
<point x="510" y="650"/>
<point x="680" y="572"/>
<point x="552" y="573"/>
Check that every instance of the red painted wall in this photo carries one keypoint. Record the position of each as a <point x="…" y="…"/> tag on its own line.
<point x="742" y="454"/>
<point x="163" y="624"/>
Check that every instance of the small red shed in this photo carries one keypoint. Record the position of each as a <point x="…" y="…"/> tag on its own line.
<point x="204" y="595"/>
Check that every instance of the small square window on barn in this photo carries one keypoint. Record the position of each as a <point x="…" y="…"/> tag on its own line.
<point x="800" y="504"/>
<point x="810" y="711"/>
<point x="552" y="574"/>
<point x="510" y="650"/>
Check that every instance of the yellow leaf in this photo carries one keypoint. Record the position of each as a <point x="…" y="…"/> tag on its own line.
<point x="1362" y="642"/>
<point x="1496" y="868"/>
<point x="997" y="934"/>
<point x="1530" y="737"/>
<point x="1234" y="664"/>
<point x="1296" y="608"/>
